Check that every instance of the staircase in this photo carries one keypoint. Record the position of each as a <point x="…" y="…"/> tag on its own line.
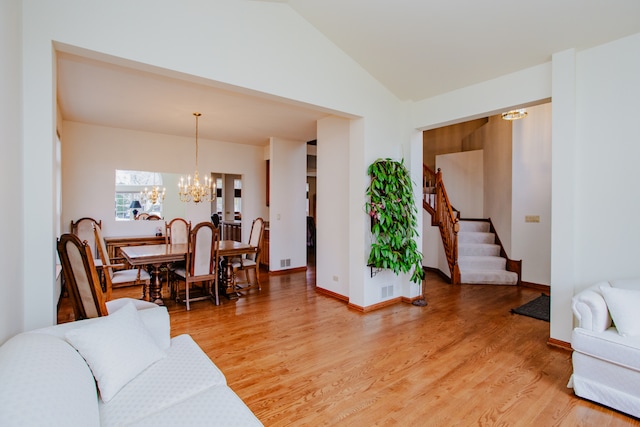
<point x="473" y="250"/>
<point x="479" y="258"/>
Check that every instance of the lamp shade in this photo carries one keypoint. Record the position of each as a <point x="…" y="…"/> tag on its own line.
<point x="135" y="205"/>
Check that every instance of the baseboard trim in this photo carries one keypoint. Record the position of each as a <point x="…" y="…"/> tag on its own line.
<point x="368" y="308"/>
<point x="559" y="344"/>
<point x="544" y="288"/>
<point x="374" y="307"/>
<point x="332" y="294"/>
<point x="287" y="271"/>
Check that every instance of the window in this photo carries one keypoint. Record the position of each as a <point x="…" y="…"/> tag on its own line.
<point x="237" y="198"/>
<point x="219" y="201"/>
<point x="129" y="184"/>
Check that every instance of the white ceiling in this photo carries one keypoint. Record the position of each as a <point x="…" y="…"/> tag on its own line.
<point x="101" y="93"/>
<point x="416" y="48"/>
<point x="421" y="48"/>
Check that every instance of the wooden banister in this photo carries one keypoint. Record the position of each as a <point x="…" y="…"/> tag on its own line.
<point x="436" y="202"/>
<point x="449" y="226"/>
<point x="428" y="192"/>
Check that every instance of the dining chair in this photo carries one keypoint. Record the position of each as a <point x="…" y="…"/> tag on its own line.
<point x="249" y="261"/>
<point x="176" y="232"/>
<point x="122" y="277"/>
<point x="80" y="273"/>
<point x="202" y="263"/>
<point x="83" y="228"/>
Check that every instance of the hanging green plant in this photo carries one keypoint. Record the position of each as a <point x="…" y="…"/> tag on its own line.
<point x="393" y="219"/>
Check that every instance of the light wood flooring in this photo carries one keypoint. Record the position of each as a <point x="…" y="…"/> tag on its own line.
<point x="300" y="358"/>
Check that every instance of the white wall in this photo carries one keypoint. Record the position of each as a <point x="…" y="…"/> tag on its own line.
<point x="608" y="90"/>
<point x="91" y="154"/>
<point x="484" y="99"/>
<point x="230" y="44"/>
<point x="498" y="177"/>
<point x="11" y="226"/>
<point x="531" y="174"/>
<point x="593" y="155"/>
<point x="463" y="175"/>
<point x="287" y="207"/>
<point x="249" y="45"/>
<point x="332" y="173"/>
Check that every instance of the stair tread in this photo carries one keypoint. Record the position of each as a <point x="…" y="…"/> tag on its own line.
<point x="489" y="277"/>
<point x="488" y="257"/>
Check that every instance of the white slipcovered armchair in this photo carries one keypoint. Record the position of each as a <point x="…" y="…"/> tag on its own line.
<point x="606" y="344"/>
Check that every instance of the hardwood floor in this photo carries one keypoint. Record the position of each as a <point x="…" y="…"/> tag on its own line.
<point x="300" y="358"/>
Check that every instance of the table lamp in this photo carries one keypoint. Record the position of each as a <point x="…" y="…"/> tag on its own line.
<point x="135" y="205"/>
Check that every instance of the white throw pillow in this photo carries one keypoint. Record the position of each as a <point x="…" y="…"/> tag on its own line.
<point x="117" y="348"/>
<point x="624" y="307"/>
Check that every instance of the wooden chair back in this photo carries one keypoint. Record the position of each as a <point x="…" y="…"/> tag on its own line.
<point x="202" y="256"/>
<point x="107" y="266"/>
<point x="83" y="228"/>
<point x="177" y="231"/>
<point x="255" y="238"/>
<point x="81" y="277"/>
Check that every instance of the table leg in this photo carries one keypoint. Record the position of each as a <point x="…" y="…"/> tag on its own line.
<point x="227" y="279"/>
<point x="155" y="292"/>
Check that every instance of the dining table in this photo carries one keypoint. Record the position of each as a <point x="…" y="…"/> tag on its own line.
<point x="162" y="254"/>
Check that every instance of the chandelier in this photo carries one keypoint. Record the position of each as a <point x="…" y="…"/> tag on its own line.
<point x="193" y="190"/>
<point x="152" y="195"/>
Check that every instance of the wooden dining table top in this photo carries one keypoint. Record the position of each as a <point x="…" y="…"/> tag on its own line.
<point x="159" y="254"/>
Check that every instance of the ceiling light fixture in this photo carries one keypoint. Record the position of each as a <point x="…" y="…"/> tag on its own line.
<point x="515" y="114"/>
<point x="153" y="195"/>
<point x="194" y="191"/>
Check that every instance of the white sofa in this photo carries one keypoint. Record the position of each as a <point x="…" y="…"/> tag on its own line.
<point x="45" y="380"/>
<point x="606" y="344"/>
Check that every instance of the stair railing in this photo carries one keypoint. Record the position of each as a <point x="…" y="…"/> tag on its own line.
<point x="436" y="202"/>
<point x="429" y="192"/>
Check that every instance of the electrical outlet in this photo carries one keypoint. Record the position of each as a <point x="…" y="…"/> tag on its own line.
<point x="335" y="278"/>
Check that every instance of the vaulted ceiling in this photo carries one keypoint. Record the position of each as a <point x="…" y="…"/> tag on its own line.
<point x="415" y="48"/>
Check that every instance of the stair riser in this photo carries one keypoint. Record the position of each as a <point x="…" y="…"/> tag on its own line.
<point x="481" y="226"/>
<point x="482" y="263"/>
<point x="489" y="277"/>
<point x="479" y="249"/>
<point x="476" y="237"/>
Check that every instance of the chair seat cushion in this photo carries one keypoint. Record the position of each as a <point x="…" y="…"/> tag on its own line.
<point x="128" y="276"/>
<point x="608" y="345"/>
<point x="245" y="263"/>
<point x="182" y="272"/>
